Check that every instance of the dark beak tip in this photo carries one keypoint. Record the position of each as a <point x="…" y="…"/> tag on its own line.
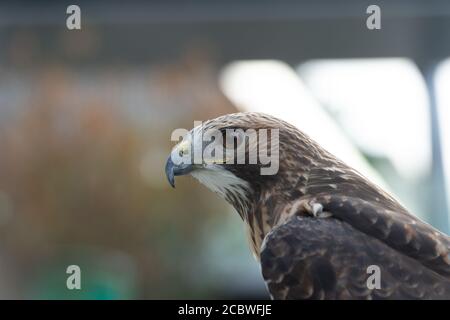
<point x="169" y="172"/>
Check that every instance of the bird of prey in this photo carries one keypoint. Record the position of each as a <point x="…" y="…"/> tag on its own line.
<point x="317" y="226"/>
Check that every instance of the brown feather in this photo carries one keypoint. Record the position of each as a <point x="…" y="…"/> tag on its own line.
<point x="304" y="256"/>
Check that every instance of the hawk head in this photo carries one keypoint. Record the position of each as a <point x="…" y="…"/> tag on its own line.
<point x="241" y="155"/>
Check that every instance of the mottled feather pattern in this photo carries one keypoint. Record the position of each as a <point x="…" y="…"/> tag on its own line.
<point x="327" y="259"/>
<point x="304" y="256"/>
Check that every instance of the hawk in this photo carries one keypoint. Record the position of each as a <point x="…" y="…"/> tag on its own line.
<point x="317" y="225"/>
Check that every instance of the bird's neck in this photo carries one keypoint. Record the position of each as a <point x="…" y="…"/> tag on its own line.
<point x="271" y="203"/>
<point x="265" y="212"/>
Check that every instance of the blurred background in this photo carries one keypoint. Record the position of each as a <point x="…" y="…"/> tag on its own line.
<point x="86" y="117"/>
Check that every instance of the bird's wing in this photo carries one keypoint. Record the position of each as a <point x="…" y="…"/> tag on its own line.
<point x="327" y="258"/>
<point x="393" y="226"/>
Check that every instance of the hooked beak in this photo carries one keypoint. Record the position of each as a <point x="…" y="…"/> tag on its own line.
<point x="173" y="170"/>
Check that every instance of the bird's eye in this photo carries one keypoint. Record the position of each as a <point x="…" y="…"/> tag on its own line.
<point x="180" y="153"/>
